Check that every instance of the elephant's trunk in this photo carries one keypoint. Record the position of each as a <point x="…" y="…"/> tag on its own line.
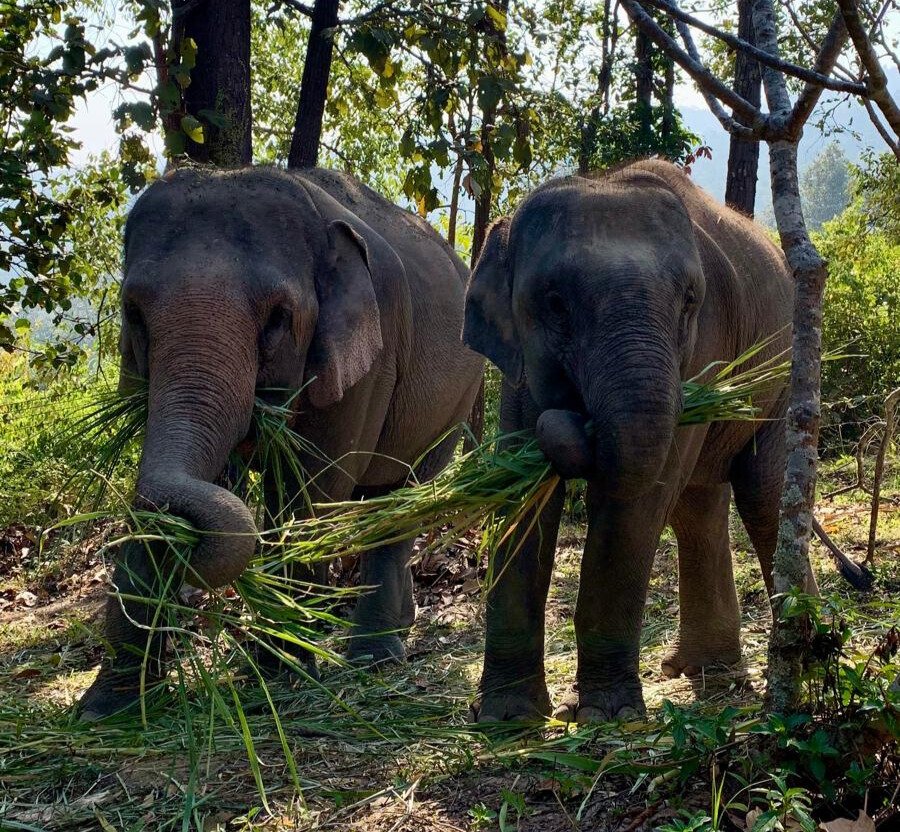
<point x="632" y="406"/>
<point x="201" y="400"/>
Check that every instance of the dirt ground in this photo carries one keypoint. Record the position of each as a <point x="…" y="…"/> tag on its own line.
<point x="405" y="759"/>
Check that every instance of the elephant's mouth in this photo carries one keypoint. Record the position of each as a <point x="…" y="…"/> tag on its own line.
<point x="565" y="438"/>
<point x="601" y="452"/>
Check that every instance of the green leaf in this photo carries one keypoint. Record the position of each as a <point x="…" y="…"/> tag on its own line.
<point x="498" y="18"/>
<point x="489" y="92"/>
<point x="189" y="53"/>
<point x="192" y="128"/>
<point x="174" y="142"/>
<point x="169" y="96"/>
<point x="215" y="118"/>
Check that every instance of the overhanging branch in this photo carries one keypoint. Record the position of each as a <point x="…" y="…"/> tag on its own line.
<point x="828" y="54"/>
<point x="753" y="124"/>
<point x="877" y="81"/>
<point x="811" y="76"/>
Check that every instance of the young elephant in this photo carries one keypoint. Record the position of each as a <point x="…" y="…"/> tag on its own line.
<point x="249" y="279"/>
<point x="596" y="300"/>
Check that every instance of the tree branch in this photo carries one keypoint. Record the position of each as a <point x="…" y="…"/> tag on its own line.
<point x="811" y="76"/>
<point x="297" y="6"/>
<point x="828" y="54"/>
<point x="754" y="124"/>
<point x="877" y="81"/>
<point x="882" y="130"/>
<point x="766" y="30"/>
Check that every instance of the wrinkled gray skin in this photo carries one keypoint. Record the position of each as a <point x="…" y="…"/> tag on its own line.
<point x="262" y="279"/>
<point x="596" y="300"/>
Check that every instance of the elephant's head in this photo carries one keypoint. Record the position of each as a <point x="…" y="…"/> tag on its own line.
<point x="234" y="282"/>
<point x="590" y="293"/>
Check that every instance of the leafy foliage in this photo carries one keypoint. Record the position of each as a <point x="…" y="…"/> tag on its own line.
<point x="862" y="297"/>
<point x="46" y="65"/>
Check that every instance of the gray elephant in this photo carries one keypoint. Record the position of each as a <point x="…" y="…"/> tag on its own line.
<point x="596" y="299"/>
<point x="240" y="281"/>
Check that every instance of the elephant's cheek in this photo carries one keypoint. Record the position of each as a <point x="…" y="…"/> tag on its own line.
<point x="562" y="437"/>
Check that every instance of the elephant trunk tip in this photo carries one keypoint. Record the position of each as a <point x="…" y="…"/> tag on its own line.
<point x="228" y="531"/>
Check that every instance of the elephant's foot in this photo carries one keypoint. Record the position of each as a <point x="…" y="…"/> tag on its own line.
<point x="500" y="700"/>
<point x="375" y="650"/>
<point x="625" y="701"/>
<point x="113" y="692"/>
<point x="510" y="707"/>
<point x="685" y="658"/>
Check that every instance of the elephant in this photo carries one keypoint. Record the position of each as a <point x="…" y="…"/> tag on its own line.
<point x="596" y="299"/>
<point x="251" y="280"/>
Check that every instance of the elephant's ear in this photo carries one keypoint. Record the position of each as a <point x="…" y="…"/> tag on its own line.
<point x="489" y="328"/>
<point x="348" y="331"/>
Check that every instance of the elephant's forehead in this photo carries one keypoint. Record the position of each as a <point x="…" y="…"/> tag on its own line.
<point x="602" y="211"/>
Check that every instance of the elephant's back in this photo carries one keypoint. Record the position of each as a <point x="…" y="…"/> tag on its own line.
<point x="410" y="236"/>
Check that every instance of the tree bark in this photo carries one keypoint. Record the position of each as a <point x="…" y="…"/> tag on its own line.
<point x="743" y="155"/>
<point x="643" y="79"/>
<point x="304" y="152"/>
<point x="483" y="205"/>
<point x="220" y="80"/>
<point x="667" y="126"/>
<point x="790" y="636"/>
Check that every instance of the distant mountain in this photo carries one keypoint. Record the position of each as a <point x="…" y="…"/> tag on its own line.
<point x="846" y="123"/>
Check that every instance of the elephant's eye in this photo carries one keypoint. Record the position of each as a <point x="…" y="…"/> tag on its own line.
<point x="690" y="297"/>
<point x="555" y="304"/>
<point x="276" y="326"/>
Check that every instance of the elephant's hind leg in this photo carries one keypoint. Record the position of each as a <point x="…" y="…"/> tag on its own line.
<point x="757" y="476"/>
<point x="385" y="613"/>
<point x="710" y="623"/>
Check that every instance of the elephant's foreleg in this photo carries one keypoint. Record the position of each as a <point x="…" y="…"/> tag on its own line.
<point x="137" y="651"/>
<point x="512" y="682"/>
<point x="615" y="574"/>
<point x="710" y="619"/>
<point x="384" y="614"/>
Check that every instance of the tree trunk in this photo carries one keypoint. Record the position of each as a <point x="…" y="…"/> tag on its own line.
<point x="743" y="156"/>
<point x="668" y="101"/>
<point x="483" y="205"/>
<point x="643" y="78"/>
<point x="220" y="81"/>
<point x="789" y="640"/>
<point x="304" y="152"/>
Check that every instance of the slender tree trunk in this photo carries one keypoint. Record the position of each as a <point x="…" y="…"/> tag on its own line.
<point x="483" y="205"/>
<point x="743" y="156"/>
<point x="454" y="202"/>
<point x="220" y="81"/>
<point x="643" y="78"/>
<point x="789" y="641"/>
<point x="668" y="101"/>
<point x="304" y="152"/>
